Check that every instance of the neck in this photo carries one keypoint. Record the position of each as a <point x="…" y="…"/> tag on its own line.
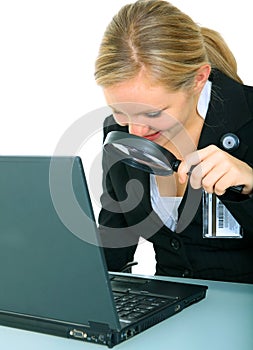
<point x="187" y="139"/>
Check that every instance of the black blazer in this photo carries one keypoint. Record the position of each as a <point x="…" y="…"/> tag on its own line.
<point x="127" y="213"/>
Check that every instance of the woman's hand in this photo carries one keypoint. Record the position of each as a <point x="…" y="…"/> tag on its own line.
<point x="215" y="170"/>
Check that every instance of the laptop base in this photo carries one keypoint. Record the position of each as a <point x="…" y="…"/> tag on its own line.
<point x="99" y="333"/>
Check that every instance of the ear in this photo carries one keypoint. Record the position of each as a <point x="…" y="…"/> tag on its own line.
<point x="201" y="77"/>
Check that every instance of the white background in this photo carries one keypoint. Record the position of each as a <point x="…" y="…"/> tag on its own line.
<point x="47" y="54"/>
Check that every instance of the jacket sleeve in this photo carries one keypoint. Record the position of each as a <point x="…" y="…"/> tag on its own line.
<point x="241" y="207"/>
<point x="111" y="218"/>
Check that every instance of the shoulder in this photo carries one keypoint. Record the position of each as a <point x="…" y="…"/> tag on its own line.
<point x="221" y="80"/>
<point x="237" y="97"/>
<point x="248" y="91"/>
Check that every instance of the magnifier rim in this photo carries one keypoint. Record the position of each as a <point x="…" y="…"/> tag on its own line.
<point x="147" y="146"/>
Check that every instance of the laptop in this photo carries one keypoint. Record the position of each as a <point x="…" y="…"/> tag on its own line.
<point x="53" y="272"/>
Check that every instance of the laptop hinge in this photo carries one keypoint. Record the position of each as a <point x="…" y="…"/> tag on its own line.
<point x="99" y="326"/>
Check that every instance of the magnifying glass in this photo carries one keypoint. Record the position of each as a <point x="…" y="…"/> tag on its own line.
<point x="144" y="154"/>
<point x="141" y="153"/>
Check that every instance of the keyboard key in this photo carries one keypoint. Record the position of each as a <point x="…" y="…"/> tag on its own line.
<point x="132" y="306"/>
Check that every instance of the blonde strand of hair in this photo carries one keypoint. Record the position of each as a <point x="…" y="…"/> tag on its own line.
<point x="156" y="37"/>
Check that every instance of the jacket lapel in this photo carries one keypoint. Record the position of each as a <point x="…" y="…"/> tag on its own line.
<point x="228" y="112"/>
<point x="142" y="179"/>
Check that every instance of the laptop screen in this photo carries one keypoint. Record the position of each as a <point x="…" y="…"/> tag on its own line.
<point x="41" y="255"/>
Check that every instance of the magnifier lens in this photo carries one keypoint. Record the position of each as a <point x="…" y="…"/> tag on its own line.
<point x="121" y="148"/>
<point x="136" y="157"/>
<point x="157" y="163"/>
<point x="141" y="153"/>
<point x="142" y="157"/>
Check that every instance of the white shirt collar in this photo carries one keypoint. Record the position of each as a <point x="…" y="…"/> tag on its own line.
<point x="204" y="99"/>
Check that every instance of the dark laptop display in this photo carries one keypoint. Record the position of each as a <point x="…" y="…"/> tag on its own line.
<point x="55" y="281"/>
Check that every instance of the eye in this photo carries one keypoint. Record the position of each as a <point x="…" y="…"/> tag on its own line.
<point x="153" y="114"/>
<point x="116" y="112"/>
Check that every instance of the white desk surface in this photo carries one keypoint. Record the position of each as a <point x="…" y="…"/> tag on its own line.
<point x="223" y="320"/>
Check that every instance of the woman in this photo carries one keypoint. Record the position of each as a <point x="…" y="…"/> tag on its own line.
<point x="176" y="84"/>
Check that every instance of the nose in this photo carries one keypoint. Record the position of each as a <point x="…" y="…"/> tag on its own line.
<point x="138" y="129"/>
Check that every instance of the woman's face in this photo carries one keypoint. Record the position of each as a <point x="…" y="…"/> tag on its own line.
<point x="150" y="111"/>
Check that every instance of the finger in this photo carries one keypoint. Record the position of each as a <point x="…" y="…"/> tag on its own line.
<point x="200" y="172"/>
<point x="220" y="178"/>
<point x="195" y="158"/>
<point x="237" y="174"/>
<point x="220" y="187"/>
<point x="187" y="165"/>
<point x="208" y="151"/>
<point x="215" y="181"/>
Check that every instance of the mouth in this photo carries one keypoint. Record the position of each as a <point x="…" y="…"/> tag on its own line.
<point x="153" y="137"/>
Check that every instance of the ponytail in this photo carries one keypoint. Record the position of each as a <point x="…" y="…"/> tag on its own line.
<point x="219" y="54"/>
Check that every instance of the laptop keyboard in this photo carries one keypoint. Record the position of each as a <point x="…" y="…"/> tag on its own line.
<point x="132" y="306"/>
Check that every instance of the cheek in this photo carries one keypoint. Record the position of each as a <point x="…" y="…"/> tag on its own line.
<point x="177" y="116"/>
<point x="163" y="124"/>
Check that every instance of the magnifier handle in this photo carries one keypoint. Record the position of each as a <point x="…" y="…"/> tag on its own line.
<point x="175" y="164"/>
<point x="237" y="189"/>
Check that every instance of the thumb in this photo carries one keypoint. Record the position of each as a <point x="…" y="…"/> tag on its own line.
<point x="186" y="166"/>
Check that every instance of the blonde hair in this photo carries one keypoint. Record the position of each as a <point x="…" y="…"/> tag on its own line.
<point x="156" y="37"/>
